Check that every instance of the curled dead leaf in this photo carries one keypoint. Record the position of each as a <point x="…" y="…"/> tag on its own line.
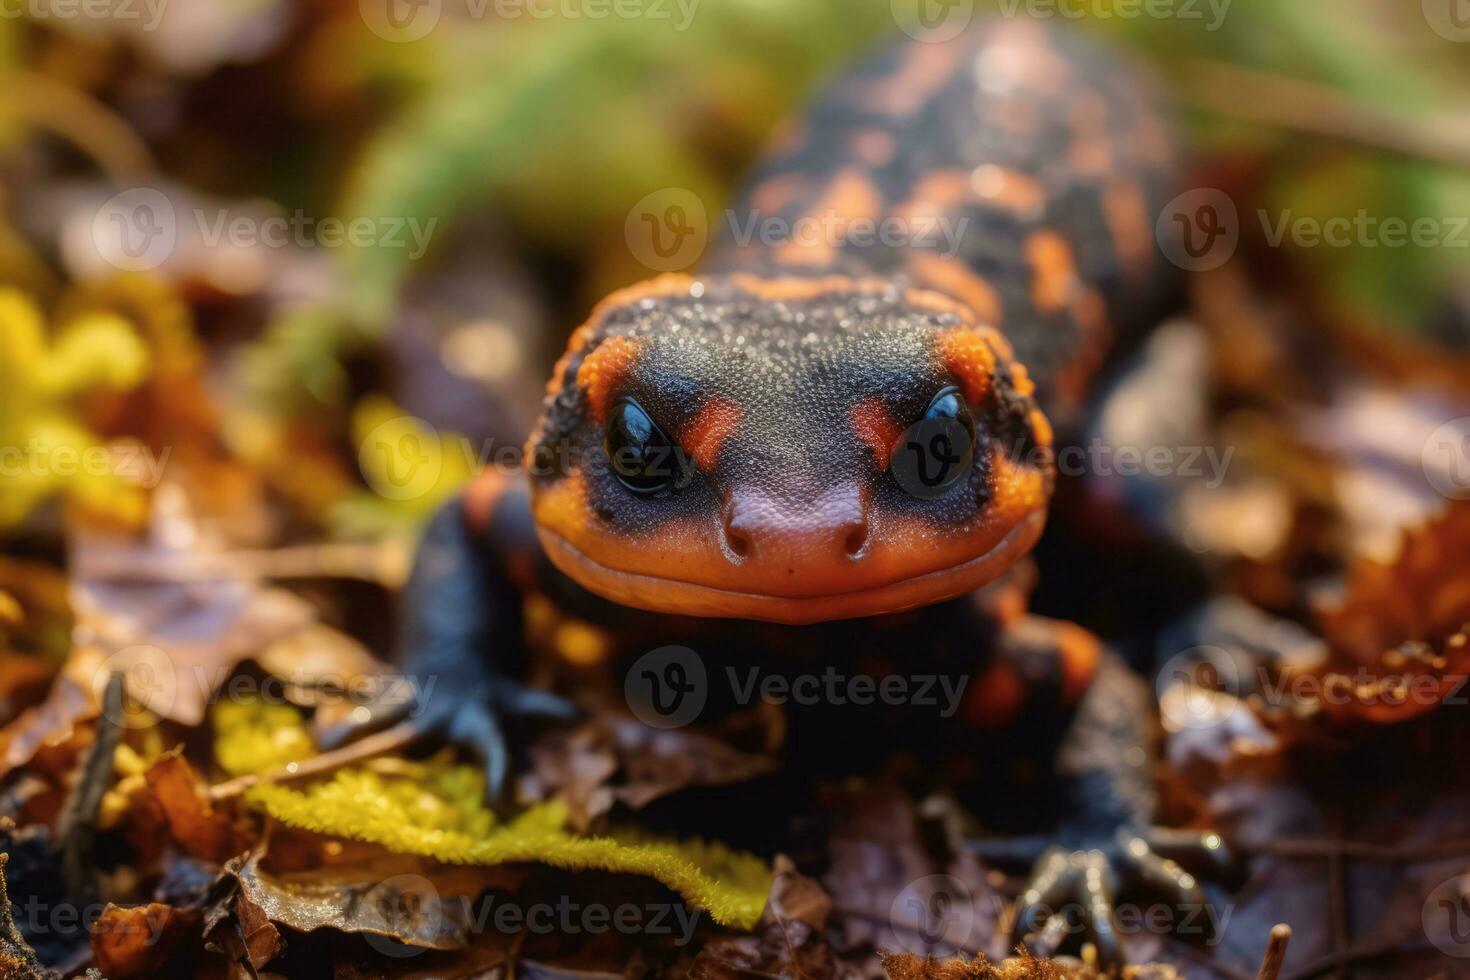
<point x="137" y="941"/>
<point x="200" y="829"/>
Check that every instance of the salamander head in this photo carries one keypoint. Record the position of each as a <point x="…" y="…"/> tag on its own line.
<point x="787" y="450"/>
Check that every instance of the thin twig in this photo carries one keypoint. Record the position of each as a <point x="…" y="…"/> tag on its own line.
<point x="388" y="740"/>
<point x="78" y="118"/>
<point x="371" y="563"/>
<point x="1275" y="952"/>
<point x="76" y="827"/>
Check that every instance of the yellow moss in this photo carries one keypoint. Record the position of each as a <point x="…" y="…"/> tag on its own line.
<point x="254" y="737"/>
<point x="436" y="811"/>
<point x="48" y="450"/>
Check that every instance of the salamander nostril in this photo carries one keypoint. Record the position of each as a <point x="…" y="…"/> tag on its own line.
<point x="738" y="541"/>
<point x="856" y="539"/>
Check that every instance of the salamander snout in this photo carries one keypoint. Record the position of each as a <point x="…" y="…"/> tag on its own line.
<point x="789" y="532"/>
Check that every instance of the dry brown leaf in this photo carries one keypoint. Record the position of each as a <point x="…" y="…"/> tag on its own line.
<point x="1398" y="643"/>
<point x="200" y="829"/>
<point x="52" y="722"/>
<point x="137" y="941"/>
<point x="616" y="759"/>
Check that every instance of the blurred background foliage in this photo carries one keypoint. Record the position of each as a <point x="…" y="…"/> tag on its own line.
<point x="526" y="140"/>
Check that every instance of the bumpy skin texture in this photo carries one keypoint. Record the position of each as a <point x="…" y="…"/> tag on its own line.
<point x="975" y="213"/>
<point x="787" y="398"/>
<point x="1022" y="169"/>
<point x="787" y="377"/>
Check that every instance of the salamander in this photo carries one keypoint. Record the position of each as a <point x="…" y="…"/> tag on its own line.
<point x="833" y="453"/>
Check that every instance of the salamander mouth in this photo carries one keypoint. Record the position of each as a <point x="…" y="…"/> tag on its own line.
<point x="680" y="597"/>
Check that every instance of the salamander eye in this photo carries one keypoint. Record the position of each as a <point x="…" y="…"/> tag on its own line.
<point x="935" y="452"/>
<point x="949" y="403"/>
<point x="643" y="458"/>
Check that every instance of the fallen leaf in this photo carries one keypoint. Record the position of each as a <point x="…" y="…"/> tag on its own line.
<point x="200" y="829"/>
<point x="170" y="611"/>
<point x="616" y="759"/>
<point x="137" y="941"/>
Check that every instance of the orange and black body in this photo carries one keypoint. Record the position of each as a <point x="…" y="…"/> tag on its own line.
<point x="718" y="461"/>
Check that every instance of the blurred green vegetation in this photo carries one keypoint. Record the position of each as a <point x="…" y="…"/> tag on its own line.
<point x="555" y="126"/>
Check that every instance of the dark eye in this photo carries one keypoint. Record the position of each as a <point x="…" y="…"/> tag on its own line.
<point x="935" y="452"/>
<point x="643" y="458"/>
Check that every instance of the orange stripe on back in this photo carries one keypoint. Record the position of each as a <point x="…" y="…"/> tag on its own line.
<point x="958" y="280"/>
<point x="1051" y="263"/>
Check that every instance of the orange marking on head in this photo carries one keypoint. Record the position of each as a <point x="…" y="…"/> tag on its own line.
<point x="877" y="428"/>
<point x="1051" y="262"/>
<point x="704" y="434"/>
<point x="1021" y="380"/>
<point x="1041" y="428"/>
<point x="958" y="280"/>
<point x="970" y="356"/>
<point x="603" y="370"/>
<point x="665" y="285"/>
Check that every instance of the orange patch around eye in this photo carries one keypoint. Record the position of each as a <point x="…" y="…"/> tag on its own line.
<point x="877" y="428"/>
<point x="603" y="370"/>
<point x="704" y="434"/>
<point x="970" y="357"/>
